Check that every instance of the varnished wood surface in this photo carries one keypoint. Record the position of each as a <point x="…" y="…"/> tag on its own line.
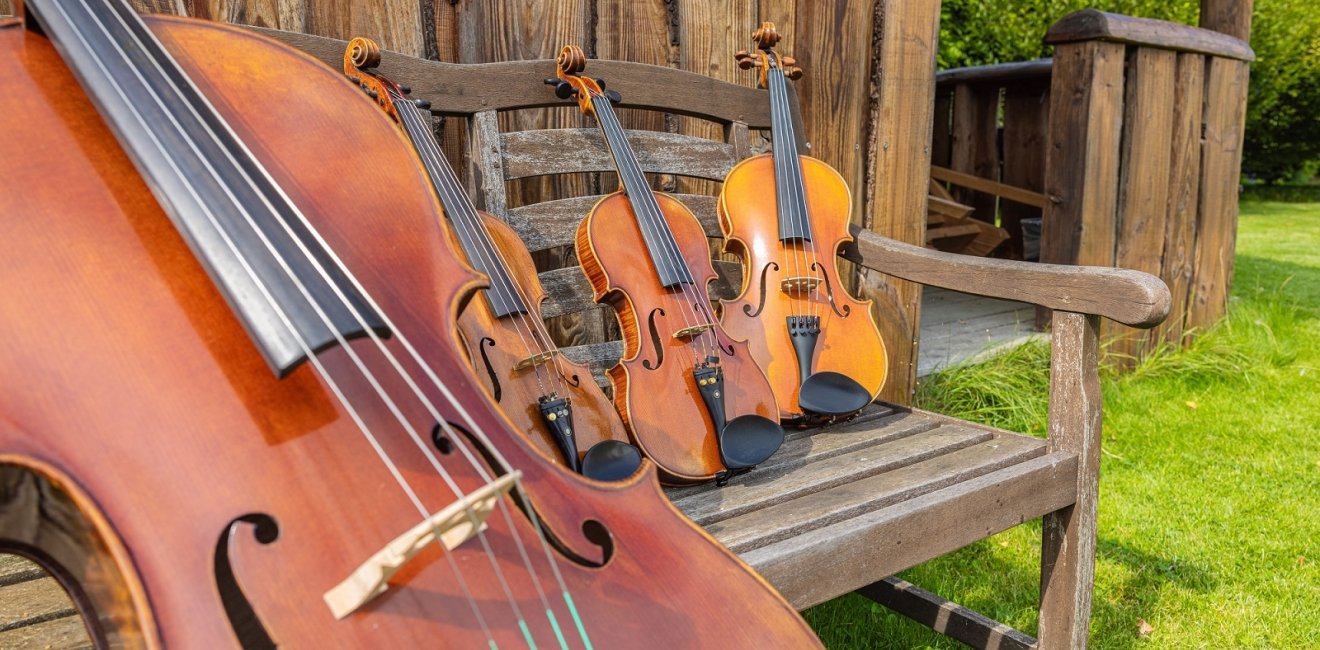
<point x="496" y="346"/>
<point x="654" y="389"/>
<point x="191" y="431"/>
<point x="849" y="342"/>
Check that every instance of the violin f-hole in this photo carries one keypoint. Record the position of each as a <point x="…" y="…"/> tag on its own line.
<point x="490" y="369"/>
<point x="655" y="340"/>
<point x="829" y="291"/>
<point x="760" y="305"/>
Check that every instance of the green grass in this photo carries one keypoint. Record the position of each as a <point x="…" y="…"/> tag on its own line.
<point x="1210" y="480"/>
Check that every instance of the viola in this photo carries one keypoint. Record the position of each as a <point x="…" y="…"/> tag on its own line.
<point x="819" y="345"/>
<point x="231" y="408"/>
<point x="503" y="334"/>
<point x="691" y="395"/>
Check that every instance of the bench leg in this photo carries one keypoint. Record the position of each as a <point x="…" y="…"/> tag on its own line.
<point x="1069" y="535"/>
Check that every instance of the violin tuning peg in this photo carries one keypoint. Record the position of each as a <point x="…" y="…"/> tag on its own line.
<point x="601" y="83"/>
<point x="794" y="73"/>
<point x="422" y="104"/>
<point x="745" y="60"/>
<point x="562" y="88"/>
<point x="788" y="61"/>
<point x="613" y="96"/>
<point x="405" y="89"/>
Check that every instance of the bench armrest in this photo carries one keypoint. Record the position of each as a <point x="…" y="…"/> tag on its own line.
<point x="1129" y="297"/>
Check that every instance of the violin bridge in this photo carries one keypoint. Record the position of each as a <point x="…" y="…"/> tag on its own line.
<point x="452" y="526"/>
<point x="536" y="359"/>
<point x="800" y="284"/>
<point x="692" y="332"/>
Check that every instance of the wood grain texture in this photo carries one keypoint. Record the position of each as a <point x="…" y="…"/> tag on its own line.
<point x="1069" y="535"/>
<point x="941" y="128"/>
<point x="1221" y="167"/>
<point x="1081" y="168"/>
<point x="542" y="152"/>
<point x="903" y="82"/>
<point x="975" y="149"/>
<point x="1232" y="17"/>
<point x="1129" y="297"/>
<point x="1143" y="181"/>
<point x="1092" y="25"/>
<point x="552" y="223"/>
<point x="991" y="187"/>
<point x="944" y="616"/>
<point x="1184" y="193"/>
<point x="1026" y="128"/>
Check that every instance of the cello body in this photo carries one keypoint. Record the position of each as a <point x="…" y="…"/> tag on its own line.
<point x="216" y="504"/>
<point x="653" y="385"/>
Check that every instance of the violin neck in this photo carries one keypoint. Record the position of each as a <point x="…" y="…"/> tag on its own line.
<point x="659" y="238"/>
<point x="790" y="192"/>
<point x="503" y="295"/>
<point x="255" y="245"/>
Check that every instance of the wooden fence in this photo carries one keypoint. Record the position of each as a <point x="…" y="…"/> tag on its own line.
<point x="1130" y="139"/>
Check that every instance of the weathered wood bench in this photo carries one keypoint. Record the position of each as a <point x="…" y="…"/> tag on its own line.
<point x="841" y="508"/>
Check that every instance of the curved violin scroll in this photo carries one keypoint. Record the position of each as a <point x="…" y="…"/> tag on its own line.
<point x="568" y="81"/>
<point x="360" y="60"/>
<point x="766" y="37"/>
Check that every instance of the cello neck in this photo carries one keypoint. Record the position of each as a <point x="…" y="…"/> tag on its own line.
<point x="503" y="295"/>
<point x="274" y="271"/>
<point x="659" y="238"/>
<point x="790" y="193"/>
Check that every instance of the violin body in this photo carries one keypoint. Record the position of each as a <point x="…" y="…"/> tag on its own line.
<point x="226" y="498"/>
<point x="653" y="386"/>
<point x="848" y="340"/>
<point x="496" y="346"/>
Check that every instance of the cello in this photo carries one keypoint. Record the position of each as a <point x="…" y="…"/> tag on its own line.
<point x="503" y="333"/>
<point x="819" y="346"/>
<point x="231" y="413"/>
<point x="692" y="397"/>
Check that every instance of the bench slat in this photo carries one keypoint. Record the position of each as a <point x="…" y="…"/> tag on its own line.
<point x="805" y="568"/>
<point x="67" y="633"/>
<point x="560" y="151"/>
<point x="783" y="520"/>
<point x="824" y="467"/>
<point x="28" y="603"/>
<point x="550" y="224"/>
<point x="16" y="568"/>
<point x="568" y="292"/>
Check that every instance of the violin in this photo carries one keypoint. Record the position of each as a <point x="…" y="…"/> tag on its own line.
<point x="691" y="395"/>
<point x="232" y="413"/>
<point x="540" y="390"/>
<point x="819" y="345"/>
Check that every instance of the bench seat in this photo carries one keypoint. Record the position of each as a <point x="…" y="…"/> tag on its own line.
<point x="869" y="495"/>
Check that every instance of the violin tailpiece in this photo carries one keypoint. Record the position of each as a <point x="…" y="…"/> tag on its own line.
<point x="455" y="524"/>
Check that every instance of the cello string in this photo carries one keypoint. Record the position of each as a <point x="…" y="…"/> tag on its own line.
<point x="444" y="176"/>
<point x="371" y="439"/>
<point x="476" y="431"/>
<point x="484" y="251"/>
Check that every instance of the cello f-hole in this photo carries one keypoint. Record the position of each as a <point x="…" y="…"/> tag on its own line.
<point x="252" y="635"/>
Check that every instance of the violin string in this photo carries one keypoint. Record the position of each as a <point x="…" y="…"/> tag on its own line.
<point x="791" y="176"/>
<point x="647" y="207"/>
<point x="371" y="439"/>
<point x="466" y="210"/>
<point x="476" y="431"/>
<point x="484" y="251"/>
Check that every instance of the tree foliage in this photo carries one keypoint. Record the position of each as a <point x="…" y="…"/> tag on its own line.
<point x="1283" y="114"/>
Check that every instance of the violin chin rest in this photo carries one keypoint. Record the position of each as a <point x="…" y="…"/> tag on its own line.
<point x="747" y="440"/>
<point x="832" y="394"/>
<point x="611" y="460"/>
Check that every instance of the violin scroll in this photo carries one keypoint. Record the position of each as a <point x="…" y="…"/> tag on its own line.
<point x="766" y="36"/>
<point x="569" y="82"/>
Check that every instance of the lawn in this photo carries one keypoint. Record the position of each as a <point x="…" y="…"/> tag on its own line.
<point x="1210" y="481"/>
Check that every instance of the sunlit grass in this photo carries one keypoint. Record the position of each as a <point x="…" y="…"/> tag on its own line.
<point x="1209" y="515"/>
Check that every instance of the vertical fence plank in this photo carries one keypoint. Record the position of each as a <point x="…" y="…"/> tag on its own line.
<point x="275" y="14"/>
<point x="1221" y="167"/>
<point x="1081" y="169"/>
<point x="899" y="171"/>
<point x="1184" y="192"/>
<point x="940" y="136"/>
<point x="1144" y="181"/>
<point x="975" y="152"/>
<point x="1025" y="115"/>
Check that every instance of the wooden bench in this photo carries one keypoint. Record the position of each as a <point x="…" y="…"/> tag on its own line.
<point x="841" y="508"/>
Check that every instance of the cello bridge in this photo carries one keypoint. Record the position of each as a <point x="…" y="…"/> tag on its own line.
<point x="692" y="332"/>
<point x="799" y="285"/>
<point x="536" y="360"/>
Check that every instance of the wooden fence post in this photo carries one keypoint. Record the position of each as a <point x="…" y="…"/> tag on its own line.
<point x="1232" y="17"/>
